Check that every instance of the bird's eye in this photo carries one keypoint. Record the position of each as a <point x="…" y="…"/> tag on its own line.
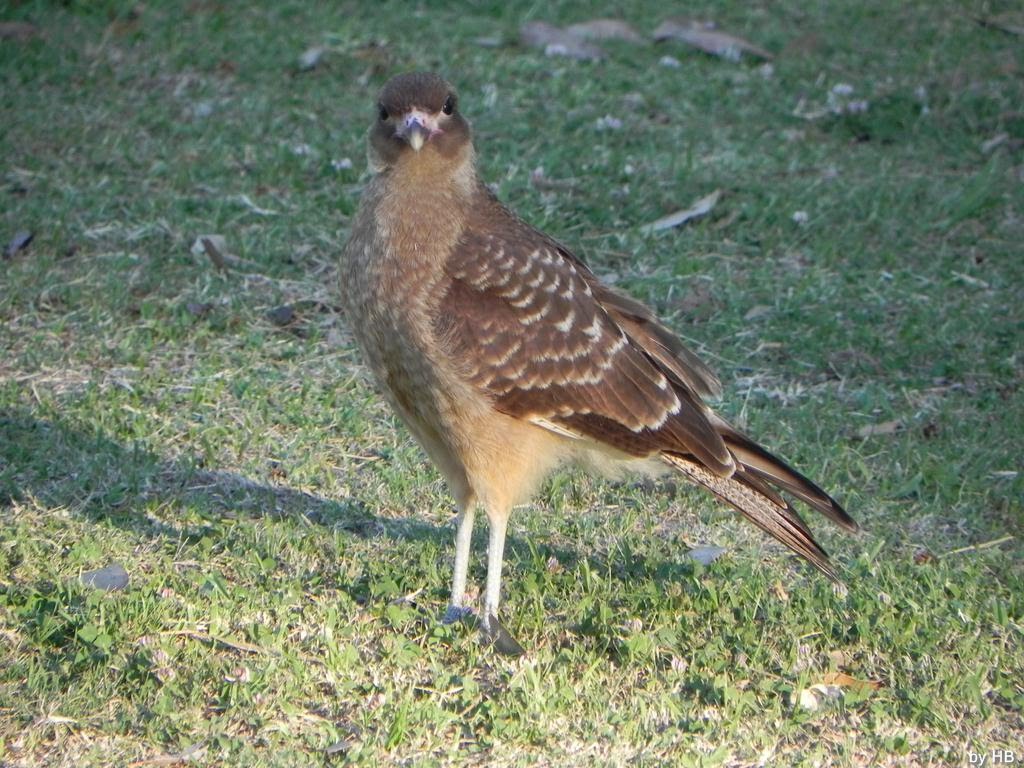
<point x="383" y="112"/>
<point x="449" y="105"/>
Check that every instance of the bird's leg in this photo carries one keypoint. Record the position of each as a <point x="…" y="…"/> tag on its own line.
<point x="502" y="640"/>
<point x="495" y="558"/>
<point x="457" y="608"/>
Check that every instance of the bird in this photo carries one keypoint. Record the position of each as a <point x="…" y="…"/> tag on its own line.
<point x="507" y="358"/>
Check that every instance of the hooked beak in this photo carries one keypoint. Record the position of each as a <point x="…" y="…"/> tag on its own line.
<point x="416" y="127"/>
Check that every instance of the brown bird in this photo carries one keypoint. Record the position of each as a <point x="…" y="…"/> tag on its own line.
<point x="507" y="358"/>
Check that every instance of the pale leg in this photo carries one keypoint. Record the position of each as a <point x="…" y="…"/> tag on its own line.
<point x="503" y="641"/>
<point x="495" y="557"/>
<point x="457" y="608"/>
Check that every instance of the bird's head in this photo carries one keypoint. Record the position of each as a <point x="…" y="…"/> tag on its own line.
<point x="417" y="116"/>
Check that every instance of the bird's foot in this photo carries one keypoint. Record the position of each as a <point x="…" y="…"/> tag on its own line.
<point x="500" y="637"/>
<point x="456" y="613"/>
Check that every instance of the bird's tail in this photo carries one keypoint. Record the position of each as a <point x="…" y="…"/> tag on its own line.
<point x="753" y="489"/>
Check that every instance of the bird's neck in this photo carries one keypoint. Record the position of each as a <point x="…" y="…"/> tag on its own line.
<point x="424" y="200"/>
<point x="429" y="174"/>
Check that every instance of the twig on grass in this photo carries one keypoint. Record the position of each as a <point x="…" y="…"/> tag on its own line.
<point x="978" y="547"/>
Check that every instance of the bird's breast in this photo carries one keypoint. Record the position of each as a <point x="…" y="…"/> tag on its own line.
<point x="393" y="280"/>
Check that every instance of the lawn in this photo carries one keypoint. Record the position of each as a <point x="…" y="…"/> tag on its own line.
<point x="199" y="417"/>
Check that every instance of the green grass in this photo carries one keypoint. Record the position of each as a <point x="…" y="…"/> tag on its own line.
<point x="289" y="547"/>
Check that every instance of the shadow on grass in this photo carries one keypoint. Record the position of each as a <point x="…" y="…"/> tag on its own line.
<point x="62" y="465"/>
<point x="88" y="473"/>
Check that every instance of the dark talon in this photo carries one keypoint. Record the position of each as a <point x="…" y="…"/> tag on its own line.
<point x="456" y="614"/>
<point x="500" y="638"/>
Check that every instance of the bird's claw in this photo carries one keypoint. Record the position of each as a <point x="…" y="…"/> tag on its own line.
<point x="500" y="637"/>
<point x="456" y="613"/>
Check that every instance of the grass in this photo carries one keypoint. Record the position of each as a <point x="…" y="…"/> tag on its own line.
<point x="288" y="546"/>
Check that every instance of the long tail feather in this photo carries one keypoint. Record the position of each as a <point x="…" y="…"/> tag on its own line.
<point x="775" y="471"/>
<point x="778" y="520"/>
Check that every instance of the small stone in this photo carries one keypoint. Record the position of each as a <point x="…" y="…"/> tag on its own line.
<point x="111" y="578"/>
<point x="282" y="315"/>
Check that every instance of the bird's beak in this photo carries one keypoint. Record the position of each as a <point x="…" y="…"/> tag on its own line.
<point x="416" y="128"/>
<point x="417" y="134"/>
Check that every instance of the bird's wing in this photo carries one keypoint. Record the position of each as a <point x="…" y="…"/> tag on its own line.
<point x="530" y="325"/>
<point x="676" y="361"/>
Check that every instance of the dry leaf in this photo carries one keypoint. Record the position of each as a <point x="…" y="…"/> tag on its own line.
<point x="831" y="686"/>
<point x="922" y="556"/>
<point x="700" y="208"/>
<point x="311" y="58"/>
<point x="489" y="41"/>
<point x="990" y="145"/>
<point x="215" y="247"/>
<point x="19" y="242"/>
<point x="556" y="41"/>
<point x="216" y="254"/>
<point x="780" y="592"/>
<point x="194" y="752"/>
<point x="240" y="674"/>
<point x="376" y="53"/>
<point x="282" y="315"/>
<point x="199" y="247"/>
<point x="876" y="430"/>
<point x="1011" y="24"/>
<point x="1004" y="474"/>
<point x="17" y="30"/>
<point x="199" y="309"/>
<point x="698" y="303"/>
<point x="540" y="181"/>
<point x="971" y="280"/>
<point x="708" y="40"/>
<point x="756" y="311"/>
<point x="814" y="696"/>
<point x="706" y="555"/>
<point x="634" y="625"/>
<point x="843" y="680"/>
<point x="605" y="29"/>
<point x="679" y="664"/>
<point x="695" y="298"/>
<point x="343" y="745"/>
<point x="808" y="44"/>
<point x="248" y="203"/>
<point x="846" y="360"/>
